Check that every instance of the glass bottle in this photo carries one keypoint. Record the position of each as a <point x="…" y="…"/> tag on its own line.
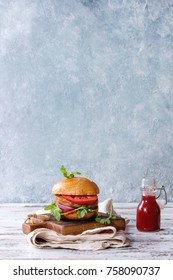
<point x="148" y="210"/>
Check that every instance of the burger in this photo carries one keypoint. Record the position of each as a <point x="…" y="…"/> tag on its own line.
<point x="75" y="198"/>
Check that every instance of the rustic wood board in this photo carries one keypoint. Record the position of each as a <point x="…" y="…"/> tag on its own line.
<point x="71" y="227"/>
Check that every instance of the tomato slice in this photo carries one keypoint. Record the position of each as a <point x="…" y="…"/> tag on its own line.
<point x="81" y="199"/>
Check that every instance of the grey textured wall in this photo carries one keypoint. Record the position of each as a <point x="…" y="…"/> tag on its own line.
<point x="87" y="84"/>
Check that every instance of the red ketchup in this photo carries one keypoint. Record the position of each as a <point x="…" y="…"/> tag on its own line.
<point x="148" y="211"/>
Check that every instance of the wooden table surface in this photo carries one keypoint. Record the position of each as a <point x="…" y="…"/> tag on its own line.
<point x="144" y="245"/>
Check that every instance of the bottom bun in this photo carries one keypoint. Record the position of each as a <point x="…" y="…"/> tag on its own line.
<point x="72" y="215"/>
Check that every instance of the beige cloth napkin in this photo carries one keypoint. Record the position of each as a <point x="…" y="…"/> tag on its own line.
<point x="94" y="239"/>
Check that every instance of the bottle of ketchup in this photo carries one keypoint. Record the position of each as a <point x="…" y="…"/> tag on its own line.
<point x="148" y="210"/>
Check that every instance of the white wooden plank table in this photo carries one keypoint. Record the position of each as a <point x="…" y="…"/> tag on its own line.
<point x="144" y="245"/>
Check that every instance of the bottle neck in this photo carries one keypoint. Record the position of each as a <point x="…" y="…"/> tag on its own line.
<point x="148" y="191"/>
<point x="148" y="198"/>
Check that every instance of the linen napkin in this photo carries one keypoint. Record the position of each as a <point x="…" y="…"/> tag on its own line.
<point x="94" y="239"/>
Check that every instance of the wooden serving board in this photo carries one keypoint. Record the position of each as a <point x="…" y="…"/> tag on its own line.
<point x="71" y="227"/>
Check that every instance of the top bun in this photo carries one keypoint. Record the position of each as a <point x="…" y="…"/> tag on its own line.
<point x="75" y="186"/>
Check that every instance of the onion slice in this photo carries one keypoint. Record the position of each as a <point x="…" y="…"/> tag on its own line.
<point x="64" y="207"/>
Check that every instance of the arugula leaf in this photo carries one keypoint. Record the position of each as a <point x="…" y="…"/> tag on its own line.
<point x="71" y="174"/>
<point x="57" y="213"/>
<point x="50" y="206"/>
<point x="81" y="211"/>
<point x="106" y="219"/>
<point x="55" y="210"/>
<point x="64" y="171"/>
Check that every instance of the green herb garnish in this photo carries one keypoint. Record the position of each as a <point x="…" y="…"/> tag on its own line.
<point x="71" y="174"/>
<point x="56" y="211"/>
<point x="83" y="210"/>
<point x="106" y="219"/>
<point x="50" y="206"/>
<point x="68" y="175"/>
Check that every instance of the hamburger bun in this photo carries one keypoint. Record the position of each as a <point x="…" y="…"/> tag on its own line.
<point x="75" y="186"/>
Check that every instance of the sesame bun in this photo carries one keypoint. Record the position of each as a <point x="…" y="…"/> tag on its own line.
<point x="75" y="186"/>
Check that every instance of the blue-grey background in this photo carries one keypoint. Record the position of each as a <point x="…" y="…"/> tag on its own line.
<point x="87" y="84"/>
